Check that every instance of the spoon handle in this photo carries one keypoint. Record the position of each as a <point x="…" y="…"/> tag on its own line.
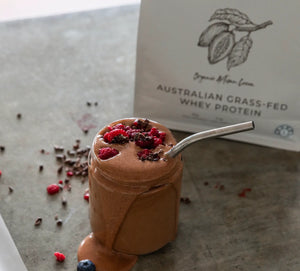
<point x="222" y="131"/>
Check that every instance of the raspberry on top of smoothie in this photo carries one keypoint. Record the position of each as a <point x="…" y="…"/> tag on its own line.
<point x="140" y="132"/>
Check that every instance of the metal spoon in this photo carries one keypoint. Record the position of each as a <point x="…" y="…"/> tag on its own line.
<point x="222" y="131"/>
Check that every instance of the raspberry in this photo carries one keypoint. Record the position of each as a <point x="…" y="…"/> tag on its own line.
<point x="154" y="132"/>
<point x="59" y="256"/>
<point x="86" y="196"/>
<point x="86" y="265"/>
<point x="132" y="133"/>
<point x="143" y="154"/>
<point x="243" y="193"/>
<point x="144" y="141"/>
<point x="70" y="173"/>
<point x="162" y="136"/>
<point x="157" y="141"/>
<point x="119" y="126"/>
<point x="106" y="153"/>
<point x="136" y="123"/>
<point x="139" y="124"/>
<point x="148" y="155"/>
<point x="60" y="182"/>
<point x="52" y="189"/>
<point x="116" y="136"/>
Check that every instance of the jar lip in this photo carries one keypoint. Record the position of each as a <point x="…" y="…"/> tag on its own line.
<point x="138" y="179"/>
<point x="130" y="171"/>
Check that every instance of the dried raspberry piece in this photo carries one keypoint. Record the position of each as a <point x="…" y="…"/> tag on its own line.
<point x="132" y="133"/>
<point x="154" y="132"/>
<point x="243" y="193"/>
<point x="86" y="196"/>
<point x="0" y="173"/>
<point x="148" y="155"/>
<point x="116" y="136"/>
<point x="162" y="136"/>
<point x="143" y="155"/>
<point x="52" y="189"/>
<point x="119" y="126"/>
<point x="60" y="182"/>
<point x="60" y="257"/>
<point x="70" y="173"/>
<point x="144" y="141"/>
<point x="140" y="124"/>
<point x="136" y="124"/>
<point x="157" y="141"/>
<point x="106" y="153"/>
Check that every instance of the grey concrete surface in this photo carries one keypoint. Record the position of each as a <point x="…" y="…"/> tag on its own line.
<point x="50" y="68"/>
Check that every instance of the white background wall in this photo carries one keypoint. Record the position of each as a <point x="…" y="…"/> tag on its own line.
<point x="20" y="9"/>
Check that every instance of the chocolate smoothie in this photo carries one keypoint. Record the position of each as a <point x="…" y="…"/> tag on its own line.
<point x="134" y="193"/>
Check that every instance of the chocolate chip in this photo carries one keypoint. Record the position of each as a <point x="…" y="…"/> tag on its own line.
<point x="96" y="103"/>
<point x="58" y="148"/>
<point x="185" y="200"/>
<point x="64" y="201"/>
<point x="67" y="181"/>
<point x="85" y="130"/>
<point x="69" y="187"/>
<point x="88" y="103"/>
<point x="59" y="222"/>
<point x="77" y="141"/>
<point x="2" y="148"/>
<point x="79" y="151"/>
<point x="41" y="168"/>
<point x="60" y="169"/>
<point x="38" y="222"/>
<point x="60" y="157"/>
<point x="10" y="189"/>
<point x="67" y="161"/>
<point x="72" y="162"/>
<point x="42" y="151"/>
<point x="71" y="153"/>
<point x="77" y="173"/>
<point x="205" y="183"/>
<point x="76" y="147"/>
<point x="19" y="115"/>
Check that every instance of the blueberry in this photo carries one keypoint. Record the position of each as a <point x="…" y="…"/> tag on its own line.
<point x="86" y="265"/>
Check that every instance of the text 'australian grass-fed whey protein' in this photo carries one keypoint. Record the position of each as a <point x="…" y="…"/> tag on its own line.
<point x="205" y="65"/>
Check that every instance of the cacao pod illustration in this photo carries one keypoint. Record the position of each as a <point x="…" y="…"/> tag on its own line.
<point x="220" y="47"/>
<point x="239" y="52"/>
<point x="232" y="15"/>
<point x="211" y="32"/>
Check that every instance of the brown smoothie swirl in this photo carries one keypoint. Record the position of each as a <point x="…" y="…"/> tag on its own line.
<point x="133" y="203"/>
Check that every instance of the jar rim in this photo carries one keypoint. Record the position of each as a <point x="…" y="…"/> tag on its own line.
<point x="134" y="172"/>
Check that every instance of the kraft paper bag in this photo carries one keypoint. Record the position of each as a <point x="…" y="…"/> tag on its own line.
<point x="205" y="64"/>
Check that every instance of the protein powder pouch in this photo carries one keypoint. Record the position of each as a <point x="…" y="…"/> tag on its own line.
<point x="202" y="65"/>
